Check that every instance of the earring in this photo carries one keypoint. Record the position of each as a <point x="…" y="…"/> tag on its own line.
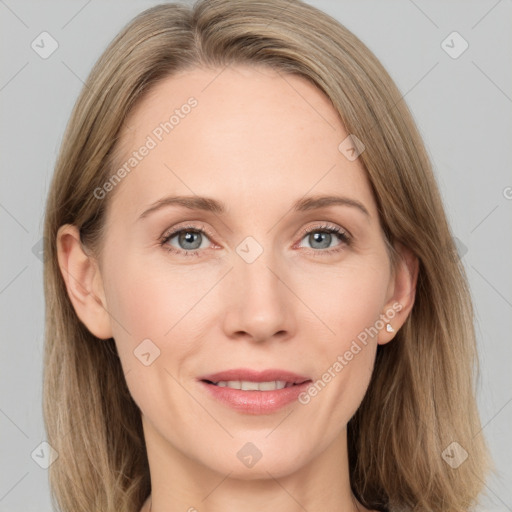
<point x="389" y="328"/>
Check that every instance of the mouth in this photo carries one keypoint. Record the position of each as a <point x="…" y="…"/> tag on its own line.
<point x="253" y="392"/>
<point x="247" y="385"/>
<point x="247" y="379"/>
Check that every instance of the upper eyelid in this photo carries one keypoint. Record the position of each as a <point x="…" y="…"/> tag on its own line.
<point x="174" y="231"/>
<point x="326" y="226"/>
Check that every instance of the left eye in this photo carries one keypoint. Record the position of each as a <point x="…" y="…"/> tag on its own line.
<point x="321" y="238"/>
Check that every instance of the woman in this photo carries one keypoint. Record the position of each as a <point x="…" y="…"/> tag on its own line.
<point x="253" y="369"/>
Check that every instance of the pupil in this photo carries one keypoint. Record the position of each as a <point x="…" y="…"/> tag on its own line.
<point x="317" y="237"/>
<point x="188" y="237"/>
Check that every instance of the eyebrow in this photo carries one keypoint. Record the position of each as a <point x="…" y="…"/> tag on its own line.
<point x="214" y="206"/>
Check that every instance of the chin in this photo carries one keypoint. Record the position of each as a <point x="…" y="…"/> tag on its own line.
<point x="250" y="463"/>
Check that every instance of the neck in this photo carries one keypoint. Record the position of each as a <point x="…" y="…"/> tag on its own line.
<point x="356" y="505"/>
<point x="181" y="483"/>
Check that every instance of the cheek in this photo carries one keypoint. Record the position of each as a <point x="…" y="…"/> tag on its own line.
<point x="153" y="311"/>
<point x="152" y="332"/>
<point x="349" y="302"/>
<point x="347" y="299"/>
<point x="147" y="301"/>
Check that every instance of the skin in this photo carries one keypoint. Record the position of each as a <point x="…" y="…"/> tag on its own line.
<point x="257" y="141"/>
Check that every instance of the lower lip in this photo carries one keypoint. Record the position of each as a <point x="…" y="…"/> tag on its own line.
<point x="256" y="402"/>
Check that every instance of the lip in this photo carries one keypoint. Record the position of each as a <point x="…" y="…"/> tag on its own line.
<point x="255" y="375"/>
<point x="255" y="402"/>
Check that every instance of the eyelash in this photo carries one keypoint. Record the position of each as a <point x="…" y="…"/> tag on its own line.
<point x="340" y="233"/>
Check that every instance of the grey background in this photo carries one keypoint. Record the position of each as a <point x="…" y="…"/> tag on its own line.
<point x="462" y="107"/>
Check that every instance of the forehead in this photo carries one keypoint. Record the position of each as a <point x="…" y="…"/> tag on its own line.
<point x="239" y="133"/>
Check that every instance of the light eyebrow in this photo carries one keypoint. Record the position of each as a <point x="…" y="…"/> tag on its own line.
<point x="214" y="206"/>
<point x="312" y="203"/>
<point x="190" y="202"/>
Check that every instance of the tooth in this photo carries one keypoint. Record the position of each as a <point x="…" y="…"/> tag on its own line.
<point x="245" y="385"/>
<point x="267" y="386"/>
<point x="248" y="386"/>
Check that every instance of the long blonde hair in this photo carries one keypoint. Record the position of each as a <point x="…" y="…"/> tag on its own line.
<point x="421" y="398"/>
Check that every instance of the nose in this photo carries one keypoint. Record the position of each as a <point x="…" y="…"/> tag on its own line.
<point x="258" y="304"/>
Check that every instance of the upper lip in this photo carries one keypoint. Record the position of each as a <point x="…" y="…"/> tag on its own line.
<point x="248" y="374"/>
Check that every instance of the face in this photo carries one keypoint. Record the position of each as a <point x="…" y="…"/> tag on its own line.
<point x="267" y="279"/>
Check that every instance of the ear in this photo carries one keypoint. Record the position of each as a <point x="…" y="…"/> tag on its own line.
<point x="401" y="293"/>
<point x="83" y="282"/>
